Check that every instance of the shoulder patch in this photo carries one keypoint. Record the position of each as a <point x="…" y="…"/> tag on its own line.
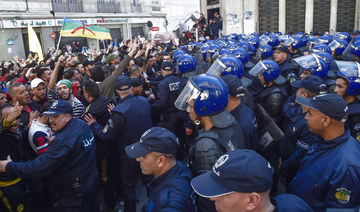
<point x="174" y="86"/>
<point x="343" y="195"/>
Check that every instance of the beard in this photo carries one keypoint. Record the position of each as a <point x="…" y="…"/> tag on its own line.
<point x="65" y="96"/>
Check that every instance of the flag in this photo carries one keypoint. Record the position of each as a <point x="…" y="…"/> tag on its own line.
<point x="72" y="28"/>
<point x="34" y="44"/>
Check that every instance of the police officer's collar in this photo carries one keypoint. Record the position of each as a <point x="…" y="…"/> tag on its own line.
<point x="222" y="120"/>
<point x="125" y="98"/>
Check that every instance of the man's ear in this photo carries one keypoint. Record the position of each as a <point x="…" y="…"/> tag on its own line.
<point x="254" y="200"/>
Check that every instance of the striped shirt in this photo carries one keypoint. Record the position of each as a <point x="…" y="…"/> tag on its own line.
<point x="78" y="107"/>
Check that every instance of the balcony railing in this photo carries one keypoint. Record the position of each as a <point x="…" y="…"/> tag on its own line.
<point x="67" y="5"/>
<point x="108" y="7"/>
<point x="136" y="8"/>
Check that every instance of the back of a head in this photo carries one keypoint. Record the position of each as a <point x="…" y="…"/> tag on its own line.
<point x="134" y="71"/>
<point x="98" y="74"/>
<point x="92" y="89"/>
<point x="139" y="62"/>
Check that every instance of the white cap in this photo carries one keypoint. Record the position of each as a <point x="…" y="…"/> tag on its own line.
<point x="35" y="82"/>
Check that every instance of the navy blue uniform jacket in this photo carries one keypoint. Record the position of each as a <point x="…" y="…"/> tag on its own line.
<point x="329" y="175"/>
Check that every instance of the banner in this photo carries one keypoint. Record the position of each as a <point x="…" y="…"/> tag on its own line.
<point x="72" y="28"/>
<point x="34" y="44"/>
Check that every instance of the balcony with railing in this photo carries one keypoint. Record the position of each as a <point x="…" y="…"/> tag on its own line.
<point x="136" y="8"/>
<point x="67" y="5"/>
<point x="108" y="6"/>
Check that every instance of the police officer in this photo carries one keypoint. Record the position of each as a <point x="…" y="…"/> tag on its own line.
<point x="264" y="52"/>
<point x="205" y="97"/>
<point x="187" y="66"/>
<point x="287" y="69"/>
<point x="168" y="90"/>
<point x="297" y="137"/>
<point x="273" y="94"/>
<point x="230" y="65"/>
<point x="348" y="86"/>
<point x="243" y="114"/>
<point x="170" y="189"/>
<point x="328" y="175"/>
<point x="125" y="128"/>
<point x="294" y="44"/>
<point x="241" y="181"/>
<point x="70" y="160"/>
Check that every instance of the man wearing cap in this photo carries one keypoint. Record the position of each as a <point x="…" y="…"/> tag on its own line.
<point x="112" y="59"/>
<point x="328" y="176"/>
<point x="287" y="69"/>
<point x="170" y="189"/>
<point x="297" y="137"/>
<point x="243" y="115"/>
<point x="128" y="120"/>
<point x="69" y="160"/>
<point x="38" y="90"/>
<point x="241" y="181"/>
<point x="168" y="91"/>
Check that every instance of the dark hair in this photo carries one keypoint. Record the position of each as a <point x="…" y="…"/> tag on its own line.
<point x="11" y="88"/>
<point x="1" y="91"/>
<point x="40" y="71"/>
<point x="134" y="69"/>
<point x="97" y="74"/>
<point x="139" y="62"/>
<point x="44" y="108"/>
<point x="92" y="89"/>
<point x="6" y="105"/>
<point x="68" y="74"/>
<point x="11" y="66"/>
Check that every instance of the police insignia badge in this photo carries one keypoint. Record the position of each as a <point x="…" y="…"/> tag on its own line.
<point x="342" y="195"/>
<point x="105" y="128"/>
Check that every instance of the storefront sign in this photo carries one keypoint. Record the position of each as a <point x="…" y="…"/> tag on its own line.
<point x="51" y="22"/>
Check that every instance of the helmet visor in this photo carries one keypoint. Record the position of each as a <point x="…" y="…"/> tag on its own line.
<point x="289" y="41"/>
<point x="306" y="62"/>
<point x="348" y="68"/>
<point x="348" y="49"/>
<point x="264" y="40"/>
<point x="320" y="41"/>
<point x="190" y="92"/>
<point x="258" y="69"/>
<point x="334" y="45"/>
<point x="284" y="37"/>
<point x="217" y="68"/>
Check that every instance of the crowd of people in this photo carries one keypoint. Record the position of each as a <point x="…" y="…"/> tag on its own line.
<point x="253" y="122"/>
<point x="202" y="29"/>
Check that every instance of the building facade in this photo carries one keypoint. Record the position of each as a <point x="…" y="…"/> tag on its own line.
<point x="286" y="16"/>
<point x="124" y="18"/>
